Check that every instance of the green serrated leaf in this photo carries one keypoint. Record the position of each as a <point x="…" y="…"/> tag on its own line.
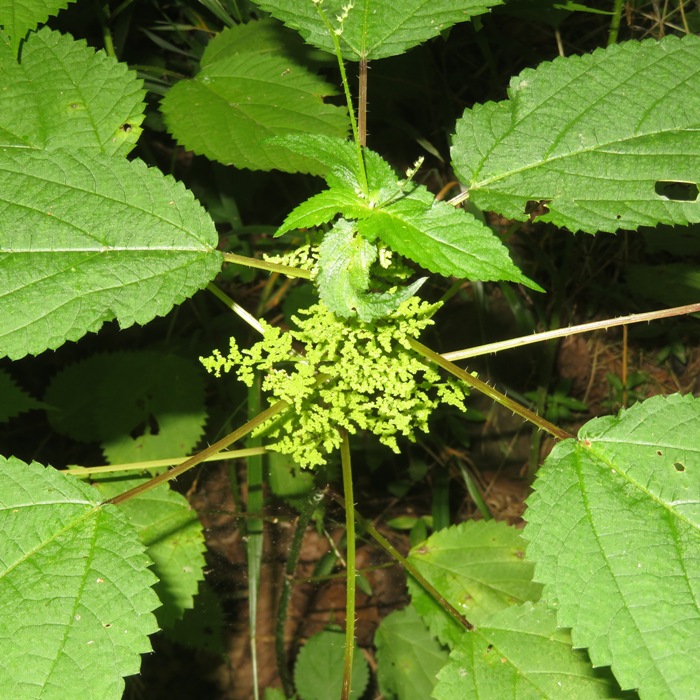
<point x="142" y="405"/>
<point x="408" y="656"/>
<point x="591" y="139"/>
<point x="479" y="567"/>
<point x="75" y="589"/>
<point x="65" y="94"/>
<point x="375" y="28"/>
<point x="173" y="536"/>
<point x="442" y="239"/>
<point x="14" y="400"/>
<point x="86" y="238"/>
<point x="320" y="209"/>
<point x="343" y="279"/>
<point x="318" y="672"/>
<point x="614" y="528"/>
<point x="242" y="98"/>
<point x="17" y="17"/>
<point x="406" y="217"/>
<point x="519" y="654"/>
<point x="201" y="628"/>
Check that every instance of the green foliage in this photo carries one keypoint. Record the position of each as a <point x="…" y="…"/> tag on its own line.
<point x="371" y="379"/>
<point x="479" y="567"/>
<point x="65" y="95"/>
<point x="86" y="236"/>
<point x="345" y="260"/>
<point x="14" y="400"/>
<point x="373" y="29"/>
<point x="597" y="142"/>
<point x="67" y="271"/>
<point x="172" y="534"/>
<point x="590" y="137"/>
<point x="614" y="531"/>
<point x="405" y="216"/>
<point x="408" y="656"/>
<point x="250" y="88"/>
<point x="74" y="617"/>
<point x="141" y="405"/>
<point x="17" y="17"/>
<point x="520" y="654"/>
<point x="318" y="672"/>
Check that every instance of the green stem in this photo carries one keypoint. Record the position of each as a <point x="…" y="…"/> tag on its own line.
<point x="104" y="26"/>
<point x="269" y="266"/>
<point x="405" y="563"/>
<point x="348" y="99"/>
<point x="571" y="330"/>
<point x="350" y="566"/>
<point x="615" y="22"/>
<point x="161" y="463"/>
<point x="489" y="391"/>
<point x="254" y="532"/>
<point x="201" y="456"/>
<point x="313" y="501"/>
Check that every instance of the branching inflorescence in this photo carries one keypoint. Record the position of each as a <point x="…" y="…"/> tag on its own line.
<point x="351" y="375"/>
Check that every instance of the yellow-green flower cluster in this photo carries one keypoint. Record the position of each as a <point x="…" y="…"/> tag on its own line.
<point x="351" y="375"/>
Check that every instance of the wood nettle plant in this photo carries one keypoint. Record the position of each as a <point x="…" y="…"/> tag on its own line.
<point x="598" y="595"/>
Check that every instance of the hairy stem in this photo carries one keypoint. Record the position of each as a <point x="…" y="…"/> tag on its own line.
<point x="201" y="456"/>
<point x="489" y="391"/>
<point x="348" y="99"/>
<point x="404" y="562"/>
<point x="312" y="502"/>
<point x="362" y="103"/>
<point x="571" y="330"/>
<point x="350" y="566"/>
<point x="269" y="266"/>
<point x="615" y="22"/>
<point x="162" y="463"/>
<point x="254" y="532"/>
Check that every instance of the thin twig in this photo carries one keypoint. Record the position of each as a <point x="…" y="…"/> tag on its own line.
<point x="571" y="330"/>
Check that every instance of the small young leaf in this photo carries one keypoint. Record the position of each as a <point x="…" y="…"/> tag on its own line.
<point x="442" y="239"/>
<point x="519" y="654"/>
<point x="66" y="95"/>
<point x="479" y="567"/>
<point x="173" y="536"/>
<point x="343" y="279"/>
<point x="243" y="97"/>
<point x="589" y="138"/>
<point x="86" y="238"/>
<point x="614" y="528"/>
<point x="318" y="672"/>
<point x="13" y="400"/>
<point x="18" y="17"/>
<point x="141" y="405"/>
<point x="408" y="656"/>
<point x="75" y="589"/>
<point x="375" y="28"/>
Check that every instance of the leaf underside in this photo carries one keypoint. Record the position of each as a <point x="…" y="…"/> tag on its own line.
<point x="595" y="142"/>
<point x="614" y="529"/>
